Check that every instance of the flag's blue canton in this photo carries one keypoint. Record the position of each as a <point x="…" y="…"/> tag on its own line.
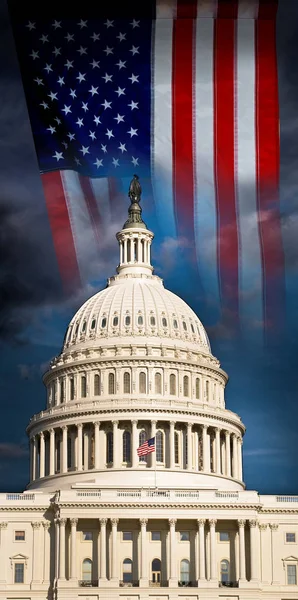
<point x="88" y="89"/>
<point x="151" y="442"/>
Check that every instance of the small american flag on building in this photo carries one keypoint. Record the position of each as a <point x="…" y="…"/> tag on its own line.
<point x="147" y="447"/>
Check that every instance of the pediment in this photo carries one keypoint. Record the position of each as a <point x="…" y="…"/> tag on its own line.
<point x="18" y="557"/>
<point x="288" y="558"/>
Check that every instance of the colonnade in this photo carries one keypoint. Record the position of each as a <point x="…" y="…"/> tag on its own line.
<point x="113" y="444"/>
<point x="204" y="559"/>
<point x="135" y="249"/>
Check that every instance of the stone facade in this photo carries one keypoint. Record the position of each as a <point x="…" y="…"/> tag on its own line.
<point x="97" y="520"/>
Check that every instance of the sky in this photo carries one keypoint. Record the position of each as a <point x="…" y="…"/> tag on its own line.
<point x="34" y="312"/>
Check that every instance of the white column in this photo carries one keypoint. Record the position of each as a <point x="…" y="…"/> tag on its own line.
<point x="206" y="453"/>
<point x="217" y="450"/>
<point x="223" y="456"/>
<point x="134" y="446"/>
<point x="189" y="446"/>
<point x="202" y="565"/>
<point x="228" y="454"/>
<point x="46" y="552"/>
<point x="144" y="571"/>
<point x="80" y="447"/>
<point x="254" y="551"/>
<point x="139" y="250"/>
<point x="37" y="552"/>
<point x="103" y="549"/>
<point x="114" y="565"/>
<point x="96" y="444"/>
<point x="73" y="547"/>
<point x="86" y="449"/>
<point x="56" y="558"/>
<point x="213" y="563"/>
<point x="116" y="449"/>
<point x="52" y="451"/>
<point x="3" y="552"/>
<point x="173" y="571"/>
<point x="121" y="252"/>
<point x="62" y="523"/>
<point x="41" y="455"/>
<point x="153" y="434"/>
<point x="172" y="444"/>
<point x="235" y="457"/>
<point x="64" y="449"/>
<point x="125" y="250"/>
<point x="274" y="546"/>
<point x="34" y="459"/>
<point x="242" y="567"/>
<point x="102" y="446"/>
<point x="264" y="543"/>
<point x="240" y="459"/>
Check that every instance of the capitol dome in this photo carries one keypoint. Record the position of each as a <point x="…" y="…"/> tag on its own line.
<point x="136" y="365"/>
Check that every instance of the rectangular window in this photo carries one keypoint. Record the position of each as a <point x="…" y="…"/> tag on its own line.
<point x="291" y="575"/>
<point x="224" y="536"/>
<point x="127" y="536"/>
<point x="184" y="536"/>
<point x="290" y="538"/>
<point x="87" y="536"/>
<point x="155" y="536"/>
<point x="19" y="573"/>
<point x="19" y="536"/>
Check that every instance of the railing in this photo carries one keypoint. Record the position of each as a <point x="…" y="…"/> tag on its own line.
<point x="187" y="494"/>
<point x="158" y="494"/>
<point x="28" y="497"/>
<point x="227" y="494"/>
<point x="89" y="494"/>
<point x="286" y="498"/>
<point x="129" y="494"/>
<point x="187" y="583"/>
<point x="158" y="584"/>
<point x="88" y="583"/>
<point x="232" y="584"/>
<point x="128" y="583"/>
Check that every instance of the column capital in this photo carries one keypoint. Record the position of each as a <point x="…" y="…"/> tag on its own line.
<point x="51" y="430"/>
<point x="189" y="425"/>
<point x="115" y="423"/>
<point x="134" y="422"/>
<point x="64" y="427"/>
<point x="3" y="525"/>
<point x="46" y="524"/>
<point x="172" y="423"/>
<point x="36" y="524"/>
<point x="241" y="523"/>
<point x="201" y="522"/>
<point x="80" y="425"/>
<point x="227" y="433"/>
<point x="114" y="522"/>
<point x="153" y="422"/>
<point x="96" y="423"/>
<point x="263" y="526"/>
<point x="143" y="522"/>
<point x="212" y="522"/>
<point x="273" y="526"/>
<point x="252" y="523"/>
<point x="204" y="427"/>
<point x="41" y="434"/>
<point x="103" y="522"/>
<point x="74" y="522"/>
<point x="172" y="522"/>
<point x="62" y="521"/>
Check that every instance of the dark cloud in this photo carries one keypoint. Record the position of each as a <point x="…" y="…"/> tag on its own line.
<point x="12" y="451"/>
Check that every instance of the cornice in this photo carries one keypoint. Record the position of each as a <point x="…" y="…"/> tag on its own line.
<point x="37" y="509"/>
<point x="147" y="505"/>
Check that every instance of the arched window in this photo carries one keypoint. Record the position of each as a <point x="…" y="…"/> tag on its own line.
<point x="103" y="322"/>
<point x="96" y="385"/>
<point x="192" y="328"/>
<point x="127" y="320"/>
<point x="173" y="384"/>
<point x="224" y="571"/>
<point x="127" y="570"/>
<point x="61" y="391"/>
<point x="83" y="387"/>
<point x="126" y="446"/>
<point x="140" y="320"/>
<point x="111" y="383"/>
<point x="126" y="383"/>
<point x="184" y="325"/>
<point x="87" y="570"/>
<point x="93" y="323"/>
<point x="164" y="322"/>
<point x="84" y="327"/>
<point x="156" y="570"/>
<point x="72" y="388"/>
<point x="142" y="383"/>
<point x="77" y="329"/>
<point x="176" y="437"/>
<point x="157" y="383"/>
<point x="197" y="388"/>
<point x="207" y="391"/>
<point x="159" y="446"/>
<point x="185" y="385"/>
<point x="175" y="324"/>
<point x="109" y="447"/>
<point x="142" y="440"/>
<point x="152" y="321"/>
<point x="184" y="571"/>
<point x="115" y="321"/>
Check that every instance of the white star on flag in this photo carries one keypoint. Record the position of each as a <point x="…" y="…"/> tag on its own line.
<point x="80" y="122"/>
<point x="53" y="96"/>
<point x="119" y="118"/>
<point x="106" y="104"/>
<point x="122" y="148"/>
<point x="95" y="64"/>
<point x="66" y="109"/>
<point x="57" y="24"/>
<point x="58" y="156"/>
<point x="115" y="162"/>
<point x="135" y="161"/>
<point x="51" y="129"/>
<point x="34" y="54"/>
<point x="109" y="133"/>
<point x="132" y="132"/>
<point x="93" y="90"/>
<point x="69" y="64"/>
<point x="81" y="77"/>
<point x="85" y="150"/>
<point x="134" y="78"/>
<point x="98" y="162"/>
<point x="96" y="120"/>
<point x="120" y="91"/>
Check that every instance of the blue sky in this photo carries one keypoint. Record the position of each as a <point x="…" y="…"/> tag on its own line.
<point x="34" y="314"/>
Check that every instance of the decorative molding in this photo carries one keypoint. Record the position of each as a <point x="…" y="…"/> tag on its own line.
<point x="143" y="521"/>
<point x="252" y="523"/>
<point x="241" y="523"/>
<point x="36" y="524"/>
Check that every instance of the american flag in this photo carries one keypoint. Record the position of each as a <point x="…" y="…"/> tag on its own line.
<point x="147" y="447"/>
<point x="188" y="99"/>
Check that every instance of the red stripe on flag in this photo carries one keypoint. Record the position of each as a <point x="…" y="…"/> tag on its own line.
<point x="267" y="9"/>
<point x="267" y="140"/>
<point x="224" y="150"/>
<point x="227" y="9"/>
<point x="91" y="206"/>
<point x="186" y="9"/>
<point x="61" y="229"/>
<point x="182" y="122"/>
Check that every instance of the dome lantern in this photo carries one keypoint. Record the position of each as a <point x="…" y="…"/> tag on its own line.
<point x="135" y="239"/>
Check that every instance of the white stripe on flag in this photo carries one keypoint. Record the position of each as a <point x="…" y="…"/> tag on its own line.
<point x="248" y="9"/>
<point x="166" y="9"/>
<point x="161" y="143"/>
<point x="250" y="264"/>
<point x="206" y="8"/>
<point x="81" y="224"/>
<point x="100" y="189"/>
<point x="205" y="214"/>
